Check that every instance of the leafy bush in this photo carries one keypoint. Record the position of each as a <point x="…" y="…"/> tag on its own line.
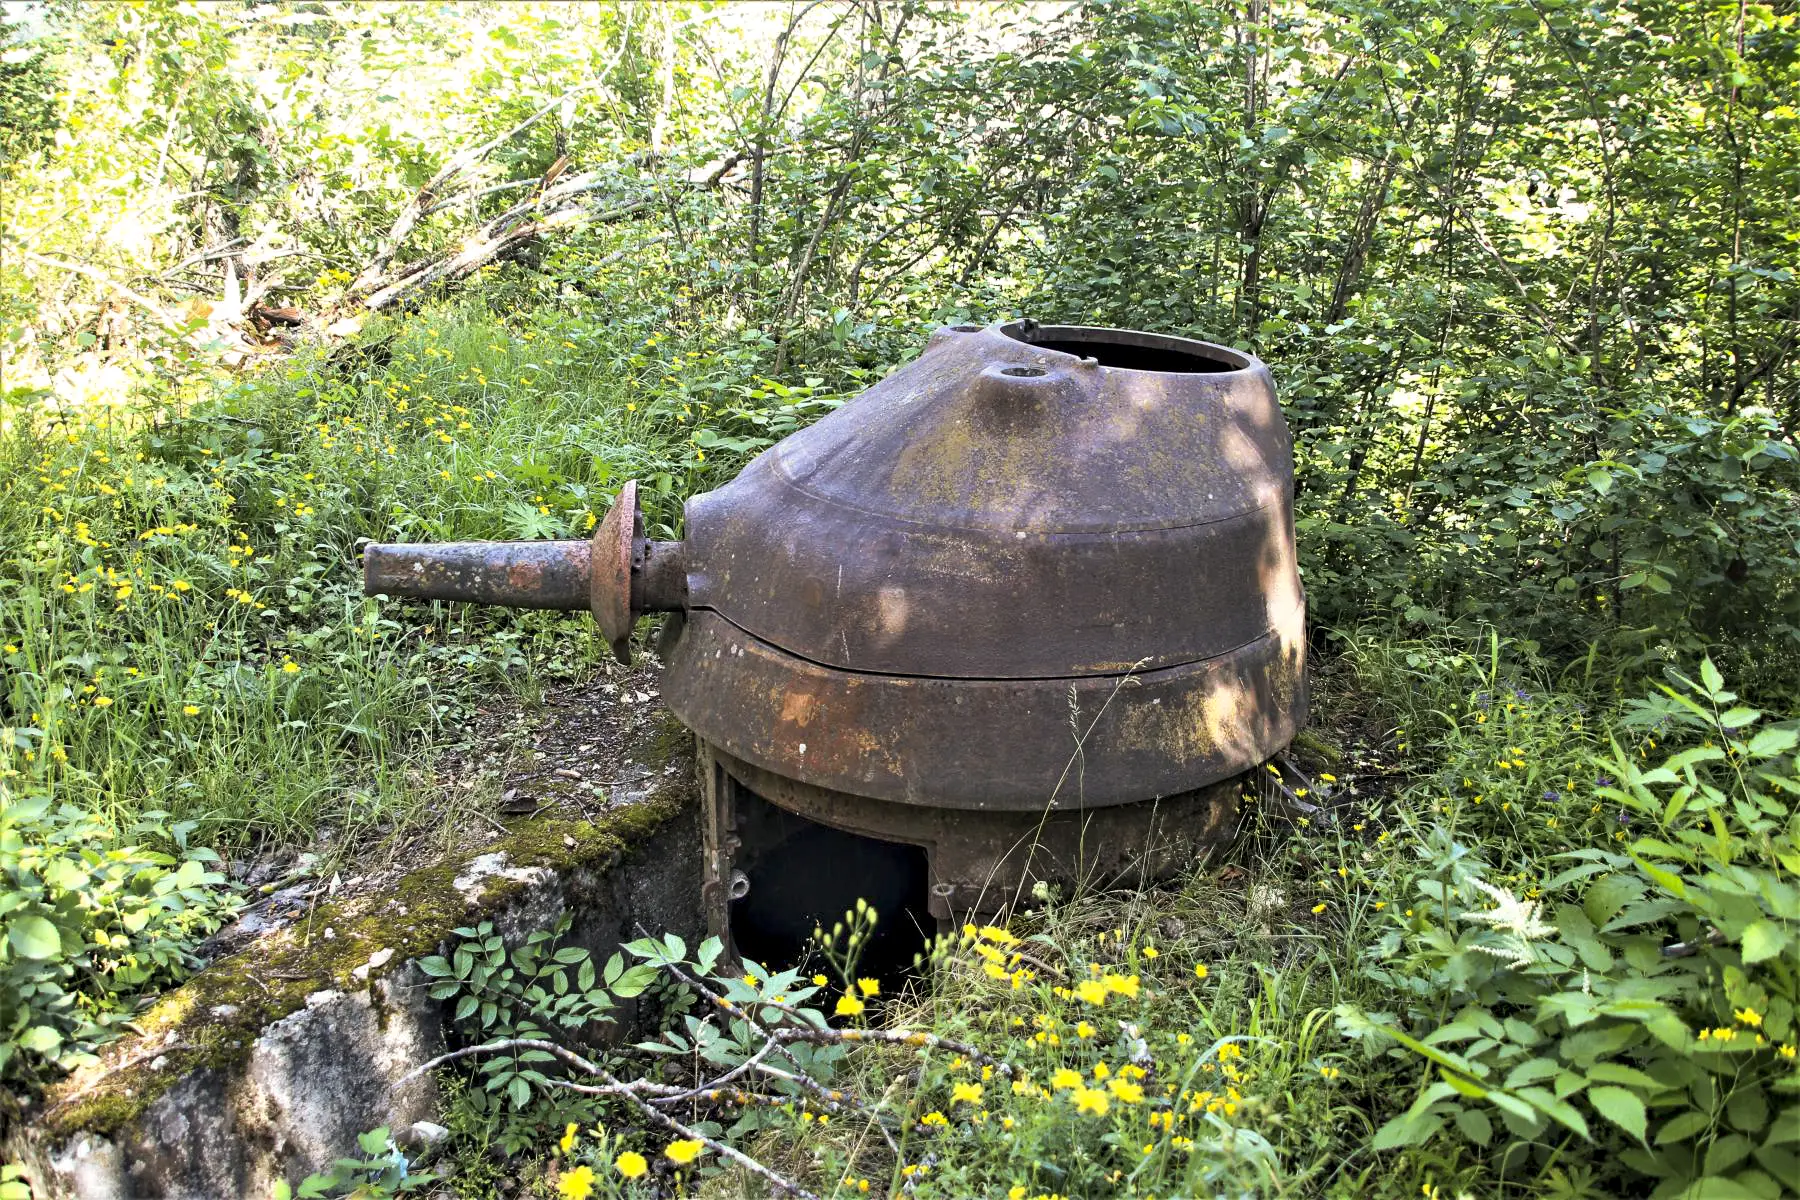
<point x="87" y="924"/>
<point x="1645" y="998"/>
<point x="537" y="991"/>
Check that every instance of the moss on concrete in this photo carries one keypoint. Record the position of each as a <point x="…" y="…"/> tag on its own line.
<point x="212" y="1020"/>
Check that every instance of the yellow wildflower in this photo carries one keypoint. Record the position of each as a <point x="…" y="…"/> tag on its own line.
<point x="1091" y="991"/>
<point x="1127" y="1093"/>
<point x="1065" y="1077"/>
<point x="569" y="1137"/>
<point x="1200" y="971"/>
<point x="848" y="1006"/>
<point x="631" y="1164"/>
<point x="869" y="987"/>
<point x="576" y="1183"/>
<point x="966" y="1093"/>
<point x="1091" y="1100"/>
<point x="684" y="1151"/>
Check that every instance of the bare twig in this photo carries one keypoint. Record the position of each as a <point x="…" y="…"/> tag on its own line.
<point x="722" y="1149"/>
<point x="420" y="205"/>
<point x="611" y="1086"/>
<point x="104" y="280"/>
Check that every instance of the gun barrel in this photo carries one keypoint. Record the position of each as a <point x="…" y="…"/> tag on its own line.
<point x="556" y="575"/>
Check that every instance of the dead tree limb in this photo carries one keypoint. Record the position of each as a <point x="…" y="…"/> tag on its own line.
<point x="420" y="205"/>
<point x="565" y="204"/>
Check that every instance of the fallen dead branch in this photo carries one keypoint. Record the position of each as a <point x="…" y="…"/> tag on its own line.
<point x="561" y="200"/>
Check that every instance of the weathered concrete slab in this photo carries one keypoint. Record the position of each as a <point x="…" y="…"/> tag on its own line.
<point x="267" y="1064"/>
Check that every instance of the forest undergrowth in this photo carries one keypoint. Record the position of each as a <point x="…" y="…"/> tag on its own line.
<point x="1523" y="275"/>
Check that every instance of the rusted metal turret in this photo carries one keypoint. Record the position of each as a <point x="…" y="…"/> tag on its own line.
<point x="1039" y="575"/>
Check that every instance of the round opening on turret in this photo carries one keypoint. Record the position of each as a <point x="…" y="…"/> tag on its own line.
<point x="1129" y="349"/>
<point x="965" y="329"/>
<point x="1024" y="372"/>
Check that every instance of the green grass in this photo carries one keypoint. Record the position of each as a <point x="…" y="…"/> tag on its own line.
<point x="182" y="623"/>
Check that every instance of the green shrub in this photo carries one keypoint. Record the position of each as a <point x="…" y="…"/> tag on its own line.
<point x="1639" y="1008"/>
<point x="86" y="924"/>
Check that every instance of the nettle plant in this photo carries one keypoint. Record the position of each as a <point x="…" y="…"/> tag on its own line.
<point x="537" y="992"/>
<point x="1647" y="1002"/>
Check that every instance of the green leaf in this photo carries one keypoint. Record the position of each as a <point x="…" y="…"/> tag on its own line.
<point x="1600" y="481"/>
<point x="1681" y="1127"/>
<point x="436" y="966"/>
<point x="519" y="1092"/>
<point x="40" y="1039"/>
<point x="1621" y="1107"/>
<point x="634" y="981"/>
<point x="708" y="954"/>
<point x="1764" y="939"/>
<point x="1769" y="742"/>
<point x="1709" y="675"/>
<point x="1558" y="1110"/>
<point x="1726" y="1153"/>
<point x="1717" y="1187"/>
<point x="1669" y="881"/>
<point x="34" y="937"/>
<point x="1407" y="1129"/>
<point x="1532" y="1070"/>
<point x="1619" y="1073"/>
<point x="1475" y="1125"/>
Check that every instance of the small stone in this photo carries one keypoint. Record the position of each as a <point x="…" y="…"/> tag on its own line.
<point x="330" y="934"/>
<point x="360" y="973"/>
<point x="379" y="959"/>
<point x="566" y="773"/>
<point x="568" y="841"/>
<point x="159" y="1062"/>
<point x="428" y="1133"/>
<point x="224" y="1012"/>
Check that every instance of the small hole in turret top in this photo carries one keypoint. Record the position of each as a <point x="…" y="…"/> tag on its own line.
<point x="965" y="329"/>
<point x="1024" y="372"/>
